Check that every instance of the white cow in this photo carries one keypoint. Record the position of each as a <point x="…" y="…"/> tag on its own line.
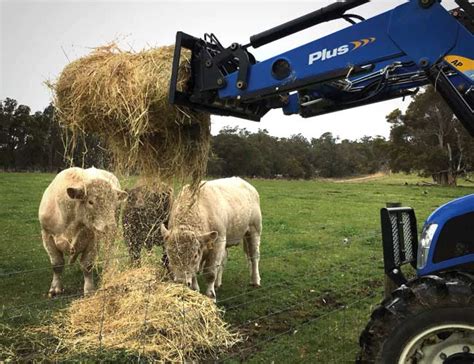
<point x="225" y="212"/>
<point x="77" y="207"/>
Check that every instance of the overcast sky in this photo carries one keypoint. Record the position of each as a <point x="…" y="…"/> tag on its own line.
<point x="39" y="37"/>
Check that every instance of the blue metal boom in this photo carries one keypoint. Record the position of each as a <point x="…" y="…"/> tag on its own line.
<point x="388" y="56"/>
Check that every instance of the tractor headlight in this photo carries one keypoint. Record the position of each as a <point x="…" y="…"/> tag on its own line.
<point x="424" y="245"/>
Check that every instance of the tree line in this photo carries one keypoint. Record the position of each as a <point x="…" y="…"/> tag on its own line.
<point x="426" y="139"/>
<point x="36" y="141"/>
<point x="239" y="152"/>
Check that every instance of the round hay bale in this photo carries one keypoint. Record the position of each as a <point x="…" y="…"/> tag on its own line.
<point x="137" y="311"/>
<point x="122" y="97"/>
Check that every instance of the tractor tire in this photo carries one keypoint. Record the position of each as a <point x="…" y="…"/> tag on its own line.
<point x="428" y="320"/>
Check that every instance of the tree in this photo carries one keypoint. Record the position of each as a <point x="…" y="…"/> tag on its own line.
<point x="372" y="154"/>
<point x="231" y="147"/>
<point x="35" y="141"/>
<point x="428" y="138"/>
<point x="298" y="154"/>
<point x="14" y="133"/>
<point x="327" y="157"/>
<point x="266" y="154"/>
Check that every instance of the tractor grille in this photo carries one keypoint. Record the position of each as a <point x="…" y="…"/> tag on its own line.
<point x="399" y="233"/>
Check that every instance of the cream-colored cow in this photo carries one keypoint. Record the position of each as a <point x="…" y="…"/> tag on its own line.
<point x="77" y="207"/>
<point x="225" y="212"/>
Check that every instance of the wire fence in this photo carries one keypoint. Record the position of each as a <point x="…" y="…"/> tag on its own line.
<point x="312" y="308"/>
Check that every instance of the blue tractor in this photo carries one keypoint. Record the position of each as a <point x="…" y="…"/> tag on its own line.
<point x="427" y="319"/>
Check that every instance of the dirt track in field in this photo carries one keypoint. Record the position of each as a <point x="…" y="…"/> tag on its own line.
<point x="362" y="179"/>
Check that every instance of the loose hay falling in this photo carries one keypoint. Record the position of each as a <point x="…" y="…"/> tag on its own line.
<point x="123" y="98"/>
<point x="138" y="312"/>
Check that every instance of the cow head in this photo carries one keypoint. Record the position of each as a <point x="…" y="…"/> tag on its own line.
<point x="136" y="197"/>
<point x="98" y="202"/>
<point x="185" y="249"/>
<point x="142" y="197"/>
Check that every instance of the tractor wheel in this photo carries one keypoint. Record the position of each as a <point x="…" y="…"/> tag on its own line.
<point x="429" y="320"/>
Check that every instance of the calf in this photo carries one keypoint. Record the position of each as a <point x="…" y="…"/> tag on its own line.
<point x="224" y="212"/>
<point x="76" y="209"/>
<point x="146" y="209"/>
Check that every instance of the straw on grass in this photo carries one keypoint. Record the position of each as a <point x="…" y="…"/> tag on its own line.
<point x="135" y="310"/>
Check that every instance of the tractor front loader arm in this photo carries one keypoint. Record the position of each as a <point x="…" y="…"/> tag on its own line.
<point x="388" y="56"/>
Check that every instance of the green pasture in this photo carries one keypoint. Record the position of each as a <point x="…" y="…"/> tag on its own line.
<point x="317" y="290"/>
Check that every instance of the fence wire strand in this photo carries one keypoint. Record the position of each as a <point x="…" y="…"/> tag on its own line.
<point x="283" y="253"/>
<point x="294" y="286"/>
<point x="293" y="328"/>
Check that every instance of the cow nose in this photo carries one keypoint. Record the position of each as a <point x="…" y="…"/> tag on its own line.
<point x="189" y="284"/>
<point x="110" y="228"/>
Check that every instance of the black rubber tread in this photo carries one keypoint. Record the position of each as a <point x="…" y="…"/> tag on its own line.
<point x="449" y="292"/>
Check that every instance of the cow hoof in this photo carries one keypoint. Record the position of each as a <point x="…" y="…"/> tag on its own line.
<point x="88" y="292"/>
<point x="212" y="296"/>
<point x="255" y="285"/>
<point x="53" y="292"/>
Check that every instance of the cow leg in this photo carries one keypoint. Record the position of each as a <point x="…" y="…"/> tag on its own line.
<point x="87" y="264"/>
<point x="56" y="258"/>
<point x="252" y="249"/>
<point x="195" y="284"/>
<point x="220" y="270"/>
<point x="148" y="241"/>
<point x="209" y="273"/>
<point x="87" y="260"/>
<point x="134" y="249"/>
<point x="212" y="265"/>
<point x="165" y="262"/>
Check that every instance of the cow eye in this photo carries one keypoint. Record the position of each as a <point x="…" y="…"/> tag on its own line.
<point x="90" y="202"/>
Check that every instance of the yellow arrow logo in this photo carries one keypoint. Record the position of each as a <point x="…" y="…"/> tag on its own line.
<point x="362" y="42"/>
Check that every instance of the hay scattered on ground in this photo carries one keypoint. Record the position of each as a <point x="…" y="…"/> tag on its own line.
<point x="138" y="312"/>
<point x="122" y="97"/>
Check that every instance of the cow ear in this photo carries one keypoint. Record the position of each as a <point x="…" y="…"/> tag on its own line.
<point x="207" y="240"/>
<point x="164" y="231"/>
<point x="76" y="193"/>
<point x="121" y="195"/>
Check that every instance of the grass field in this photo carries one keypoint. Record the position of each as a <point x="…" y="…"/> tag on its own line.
<point x="317" y="291"/>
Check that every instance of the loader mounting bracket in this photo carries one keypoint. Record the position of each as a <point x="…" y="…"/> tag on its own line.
<point x="210" y="63"/>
